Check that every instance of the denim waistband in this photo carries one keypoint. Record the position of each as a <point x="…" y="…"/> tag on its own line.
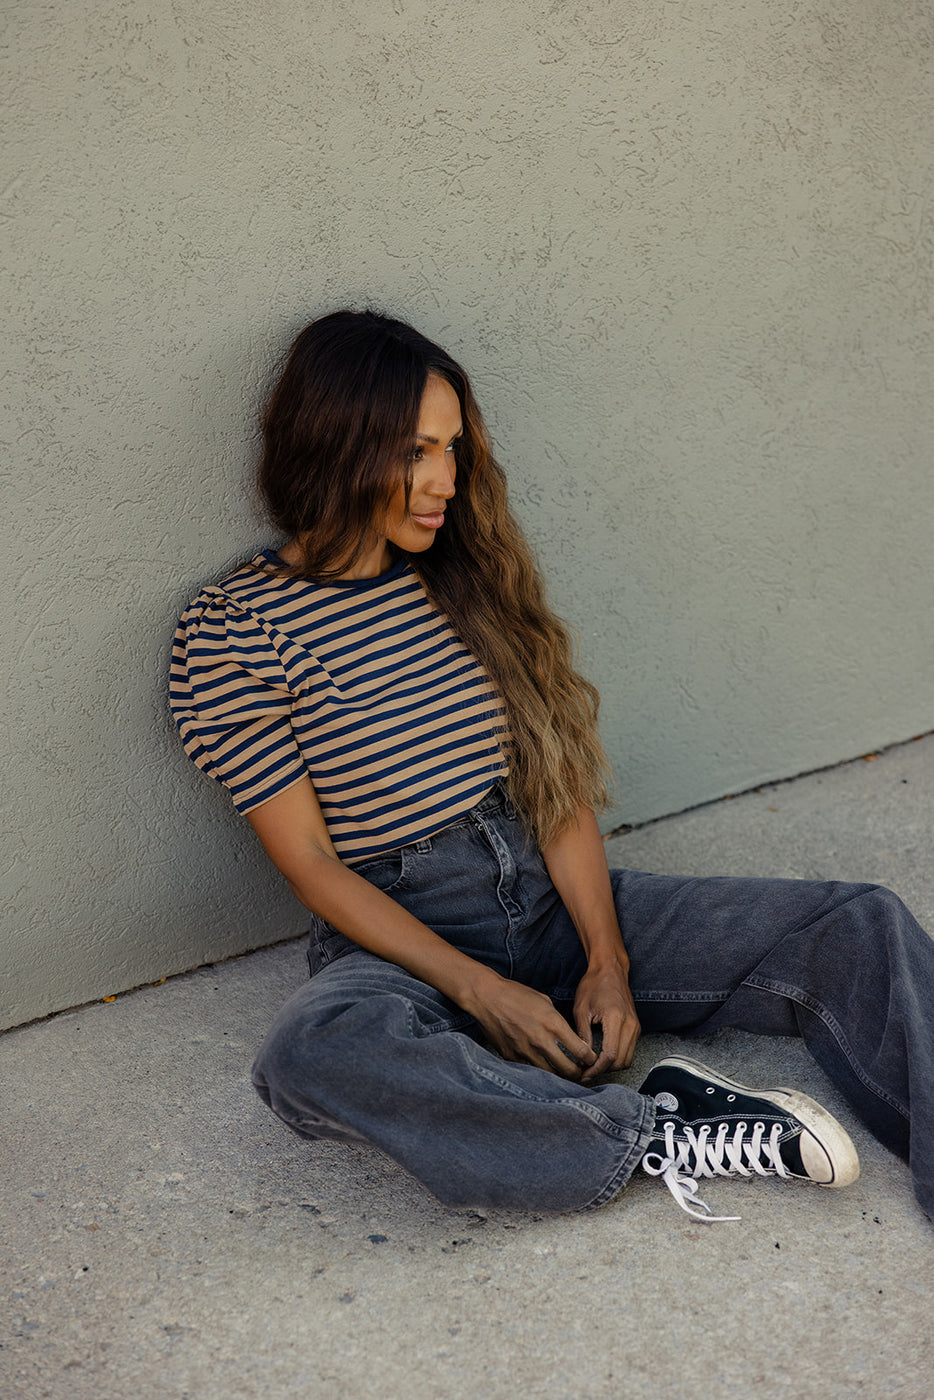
<point x="496" y="800"/>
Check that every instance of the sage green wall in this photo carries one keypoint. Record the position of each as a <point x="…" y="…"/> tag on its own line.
<point x="685" y="250"/>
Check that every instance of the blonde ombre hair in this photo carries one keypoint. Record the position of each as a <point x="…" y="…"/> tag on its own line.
<point x="338" y="433"/>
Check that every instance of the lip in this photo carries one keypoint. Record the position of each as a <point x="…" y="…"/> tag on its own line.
<point x="433" y="520"/>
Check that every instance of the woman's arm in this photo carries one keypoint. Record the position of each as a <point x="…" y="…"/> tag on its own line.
<point x="576" y="862"/>
<point x="521" y="1023"/>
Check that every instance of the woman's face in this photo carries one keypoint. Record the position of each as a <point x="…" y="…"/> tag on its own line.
<point x="433" y="472"/>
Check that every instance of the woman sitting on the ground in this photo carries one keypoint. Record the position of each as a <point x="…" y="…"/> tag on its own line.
<point x="395" y="709"/>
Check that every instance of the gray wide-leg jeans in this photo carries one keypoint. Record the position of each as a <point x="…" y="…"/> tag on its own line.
<point x="364" y="1052"/>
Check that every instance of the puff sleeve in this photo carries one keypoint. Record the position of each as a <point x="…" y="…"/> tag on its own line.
<point x="231" y="700"/>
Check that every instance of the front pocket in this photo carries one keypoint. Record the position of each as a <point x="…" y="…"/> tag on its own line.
<point x="325" y="944"/>
<point x="386" y="872"/>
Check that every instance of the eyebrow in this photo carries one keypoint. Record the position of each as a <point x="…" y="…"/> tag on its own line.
<point x="423" y="437"/>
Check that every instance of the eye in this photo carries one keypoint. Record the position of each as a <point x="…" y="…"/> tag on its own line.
<point x="417" y="455"/>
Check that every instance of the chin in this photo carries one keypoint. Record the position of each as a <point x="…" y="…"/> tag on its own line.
<point x="415" y="542"/>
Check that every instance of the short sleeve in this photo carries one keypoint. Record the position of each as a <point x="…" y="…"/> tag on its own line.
<point x="230" y="698"/>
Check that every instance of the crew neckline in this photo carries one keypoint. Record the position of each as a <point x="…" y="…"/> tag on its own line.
<point x="391" y="573"/>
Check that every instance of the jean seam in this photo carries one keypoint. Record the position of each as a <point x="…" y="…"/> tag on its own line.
<point x="508" y="1085"/>
<point x="712" y="997"/>
<point x="596" y="1115"/>
<point x="505" y="859"/>
<point x="404" y="870"/>
<point x="457" y="1023"/>
<point x="817" y="1008"/>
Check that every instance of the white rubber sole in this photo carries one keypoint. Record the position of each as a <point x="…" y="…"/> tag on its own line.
<point x="829" y="1136"/>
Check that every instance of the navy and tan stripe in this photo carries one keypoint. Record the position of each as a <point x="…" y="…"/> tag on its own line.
<point x="362" y="684"/>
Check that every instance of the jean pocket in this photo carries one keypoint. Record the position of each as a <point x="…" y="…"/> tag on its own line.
<point x="386" y="872"/>
<point x="325" y="944"/>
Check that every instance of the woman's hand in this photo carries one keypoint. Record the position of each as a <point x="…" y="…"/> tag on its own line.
<point x="576" y="861"/>
<point x="522" y="1024"/>
<point x="603" y="999"/>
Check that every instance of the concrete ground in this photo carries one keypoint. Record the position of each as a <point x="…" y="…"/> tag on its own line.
<point x="164" y="1236"/>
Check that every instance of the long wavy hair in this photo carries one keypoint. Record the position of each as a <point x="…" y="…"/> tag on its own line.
<point x="339" y="431"/>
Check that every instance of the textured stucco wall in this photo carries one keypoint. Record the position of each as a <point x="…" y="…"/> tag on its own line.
<point x="685" y="250"/>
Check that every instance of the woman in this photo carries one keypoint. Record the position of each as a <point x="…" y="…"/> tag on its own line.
<point x="395" y="710"/>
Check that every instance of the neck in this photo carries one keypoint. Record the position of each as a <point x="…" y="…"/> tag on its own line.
<point x="371" y="563"/>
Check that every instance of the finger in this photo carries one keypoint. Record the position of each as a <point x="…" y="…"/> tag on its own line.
<point x="626" y="1040"/>
<point x="606" y="1032"/>
<point x="584" y="1024"/>
<point x="630" y="1048"/>
<point x="545" y="1051"/>
<point x="607" y="1063"/>
<point x="556" y="1062"/>
<point x="589" y="1020"/>
<point x="567" y="1069"/>
<point x="619" y="1040"/>
<point x="577" y="1047"/>
<point x="564" y="1063"/>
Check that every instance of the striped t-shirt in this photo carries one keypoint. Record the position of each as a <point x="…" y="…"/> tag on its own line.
<point x="361" y="683"/>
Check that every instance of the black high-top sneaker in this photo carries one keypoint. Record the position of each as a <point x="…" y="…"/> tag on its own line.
<point x="707" y="1125"/>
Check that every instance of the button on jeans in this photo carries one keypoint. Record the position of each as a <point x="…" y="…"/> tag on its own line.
<point x="364" y="1052"/>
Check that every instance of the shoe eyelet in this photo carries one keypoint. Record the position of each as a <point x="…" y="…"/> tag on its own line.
<point x="709" y="1090"/>
<point x="731" y="1098"/>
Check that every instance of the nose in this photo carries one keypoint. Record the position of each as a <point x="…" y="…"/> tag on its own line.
<point x="442" y="477"/>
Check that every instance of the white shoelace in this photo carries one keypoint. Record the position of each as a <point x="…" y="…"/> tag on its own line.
<point x="680" y="1172"/>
